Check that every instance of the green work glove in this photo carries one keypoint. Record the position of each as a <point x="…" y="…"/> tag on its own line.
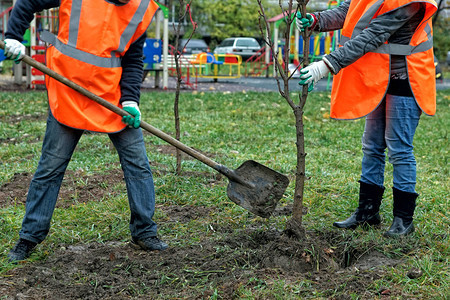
<point x="304" y="23"/>
<point x="14" y="50"/>
<point x="132" y="108"/>
<point x="311" y="74"/>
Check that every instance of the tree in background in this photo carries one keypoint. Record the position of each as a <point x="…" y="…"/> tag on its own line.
<point x="220" y="19"/>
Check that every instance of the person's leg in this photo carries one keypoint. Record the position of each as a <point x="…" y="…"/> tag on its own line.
<point x="402" y="115"/>
<point x="57" y="149"/>
<point x="372" y="175"/>
<point x="374" y="146"/>
<point x="139" y="182"/>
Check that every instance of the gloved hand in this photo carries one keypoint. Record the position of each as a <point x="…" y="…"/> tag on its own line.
<point x="14" y="50"/>
<point x="313" y="73"/>
<point x="132" y="108"/>
<point x="304" y="23"/>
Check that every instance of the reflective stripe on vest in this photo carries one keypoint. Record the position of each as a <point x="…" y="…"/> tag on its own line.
<point x="361" y="86"/>
<point x="71" y="51"/>
<point x="130" y="29"/>
<point x="366" y="18"/>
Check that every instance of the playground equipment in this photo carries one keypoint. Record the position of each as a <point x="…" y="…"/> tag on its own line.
<point x="320" y="44"/>
<point x="201" y="65"/>
<point x="256" y="65"/>
<point x="208" y="65"/>
<point x="152" y="57"/>
<point x="155" y="61"/>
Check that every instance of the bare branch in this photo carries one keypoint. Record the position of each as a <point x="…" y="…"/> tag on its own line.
<point x="279" y="70"/>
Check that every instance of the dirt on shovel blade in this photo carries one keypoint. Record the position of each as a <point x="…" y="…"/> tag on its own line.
<point x="267" y="188"/>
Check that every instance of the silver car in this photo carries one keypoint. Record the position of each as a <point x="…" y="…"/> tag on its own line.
<point x="194" y="46"/>
<point x="243" y="46"/>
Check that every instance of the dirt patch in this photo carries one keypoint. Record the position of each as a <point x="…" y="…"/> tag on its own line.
<point x="247" y="258"/>
<point x="186" y="213"/>
<point x="76" y="188"/>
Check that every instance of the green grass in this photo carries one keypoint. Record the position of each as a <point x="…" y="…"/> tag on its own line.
<point x="232" y="128"/>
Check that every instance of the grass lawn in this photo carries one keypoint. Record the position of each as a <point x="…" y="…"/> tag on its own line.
<point x="232" y="128"/>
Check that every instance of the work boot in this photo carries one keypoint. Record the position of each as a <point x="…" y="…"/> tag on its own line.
<point x="367" y="213"/>
<point x="21" y="250"/>
<point x="404" y="206"/>
<point x="151" y="243"/>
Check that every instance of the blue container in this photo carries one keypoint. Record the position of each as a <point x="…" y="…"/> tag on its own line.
<point x="152" y="53"/>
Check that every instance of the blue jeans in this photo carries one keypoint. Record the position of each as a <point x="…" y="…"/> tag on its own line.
<point x="57" y="149"/>
<point x="391" y="125"/>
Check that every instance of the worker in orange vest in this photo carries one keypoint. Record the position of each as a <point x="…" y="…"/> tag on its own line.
<point x="384" y="71"/>
<point x="100" y="47"/>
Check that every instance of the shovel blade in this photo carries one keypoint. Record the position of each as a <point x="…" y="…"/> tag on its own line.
<point x="265" y="188"/>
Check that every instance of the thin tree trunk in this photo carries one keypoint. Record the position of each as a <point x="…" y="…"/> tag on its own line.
<point x="177" y="124"/>
<point x="294" y="226"/>
<point x="178" y="65"/>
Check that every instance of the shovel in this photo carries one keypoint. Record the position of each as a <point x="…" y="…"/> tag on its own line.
<point x="253" y="186"/>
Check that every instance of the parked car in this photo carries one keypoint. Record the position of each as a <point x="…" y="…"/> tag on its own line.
<point x="194" y="46"/>
<point x="243" y="46"/>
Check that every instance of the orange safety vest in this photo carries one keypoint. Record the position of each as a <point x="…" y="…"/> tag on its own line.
<point x="92" y="38"/>
<point x="360" y="87"/>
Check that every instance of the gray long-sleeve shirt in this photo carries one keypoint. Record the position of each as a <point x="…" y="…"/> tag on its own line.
<point x="397" y="26"/>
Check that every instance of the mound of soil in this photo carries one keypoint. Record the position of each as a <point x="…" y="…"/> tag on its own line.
<point x="116" y="271"/>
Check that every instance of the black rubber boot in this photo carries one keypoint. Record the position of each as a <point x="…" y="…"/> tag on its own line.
<point x="367" y="213"/>
<point x="404" y="206"/>
<point x="21" y="250"/>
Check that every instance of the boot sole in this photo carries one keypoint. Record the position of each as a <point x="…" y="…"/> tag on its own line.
<point x="398" y="235"/>
<point x="138" y="247"/>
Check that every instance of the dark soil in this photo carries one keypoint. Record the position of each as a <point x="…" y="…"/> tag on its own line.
<point x="228" y="261"/>
<point x="116" y="271"/>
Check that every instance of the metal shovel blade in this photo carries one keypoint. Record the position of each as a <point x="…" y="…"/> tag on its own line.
<point x="264" y="189"/>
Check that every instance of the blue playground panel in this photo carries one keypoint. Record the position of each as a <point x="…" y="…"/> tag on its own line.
<point x="2" y="55"/>
<point x="152" y="53"/>
<point x="311" y="45"/>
